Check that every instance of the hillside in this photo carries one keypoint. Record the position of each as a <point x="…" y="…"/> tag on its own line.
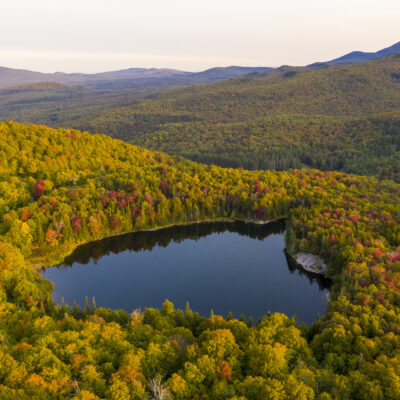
<point x="330" y="119"/>
<point x="358" y="89"/>
<point x="344" y="117"/>
<point x="364" y="145"/>
<point x="63" y="187"/>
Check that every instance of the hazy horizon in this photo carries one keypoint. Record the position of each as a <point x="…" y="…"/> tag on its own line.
<point x="96" y="36"/>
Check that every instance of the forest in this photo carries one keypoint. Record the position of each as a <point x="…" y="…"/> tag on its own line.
<point x="343" y="117"/>
<point x="62" y="187"/>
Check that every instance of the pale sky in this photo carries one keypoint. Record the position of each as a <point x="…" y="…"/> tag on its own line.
<point x="103" y="35"/>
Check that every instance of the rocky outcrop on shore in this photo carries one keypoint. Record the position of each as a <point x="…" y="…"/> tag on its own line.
<point x="311" y="263"/>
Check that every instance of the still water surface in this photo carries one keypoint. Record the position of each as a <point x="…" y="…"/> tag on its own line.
<point x="225" y="267"/>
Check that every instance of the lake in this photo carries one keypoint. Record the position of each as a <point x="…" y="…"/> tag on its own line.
<point x="239" y="267"/>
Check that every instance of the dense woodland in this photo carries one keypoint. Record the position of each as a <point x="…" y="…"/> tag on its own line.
<point x="326" y="119"/>
<point x="60" y="188"/>
<point x="345" y="117"/>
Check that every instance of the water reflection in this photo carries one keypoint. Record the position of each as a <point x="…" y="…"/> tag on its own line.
<point x="148" y="240"/>
<point x="224" y="266"/>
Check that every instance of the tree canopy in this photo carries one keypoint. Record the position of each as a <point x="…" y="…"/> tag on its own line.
<point x="60" y="188"/>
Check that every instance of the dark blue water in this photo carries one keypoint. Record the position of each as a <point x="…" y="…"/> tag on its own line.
<point x="225" y="267"/>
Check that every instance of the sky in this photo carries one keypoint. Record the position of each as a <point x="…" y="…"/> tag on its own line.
<point x="101" y="35"/>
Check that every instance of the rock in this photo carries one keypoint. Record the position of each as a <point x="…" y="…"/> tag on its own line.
<point x="311" y="263"/>
<point x="258" y="221"/>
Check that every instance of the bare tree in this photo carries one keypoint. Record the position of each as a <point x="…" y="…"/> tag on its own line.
<point x="59" y="225"/>
<point x="158" y="389"/>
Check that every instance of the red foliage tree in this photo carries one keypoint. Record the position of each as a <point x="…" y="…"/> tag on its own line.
<point x="76" y="222"/>
<point x="257" y="188"/>
<point x="224" y="371"/>
<point x="104" y="201"/>
<point x="51" y="236"/>
<point x="164" y="186"/>
<point x="113" y="195"/>
<point x="39" y="188"/>
<point x="394" y="258"/>
<point x="354" y="218"/>
<point x="378" y="253"/>
<point x="122" y="203"/>
<point x="25" y="215"/>
<point x="380" y="297"/>
<point x="260" y="213"/>
<point x="114" y="222"/>
<point x="148" y="198"/>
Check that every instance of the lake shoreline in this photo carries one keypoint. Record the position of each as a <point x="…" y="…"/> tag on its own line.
<point x="314" y="268"/>
<point x="51" y="261"/>
<point x="243" y="261"/>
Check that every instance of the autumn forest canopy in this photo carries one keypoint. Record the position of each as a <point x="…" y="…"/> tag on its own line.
<point x="63" y="187"/>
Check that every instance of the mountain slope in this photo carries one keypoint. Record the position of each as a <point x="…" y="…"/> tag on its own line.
<point x="360" y="56"/>
<point x="330" y="119"/>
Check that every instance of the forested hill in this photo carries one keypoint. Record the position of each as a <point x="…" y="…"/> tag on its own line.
<point x="365" y="145"/>
<point x="59" y="188"/>
<point x="344" y="118"/>
<point x="351" y="90"/>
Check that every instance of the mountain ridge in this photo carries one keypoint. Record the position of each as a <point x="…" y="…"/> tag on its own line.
<point x="10" y="77"/>
<point x="361" y="56"/>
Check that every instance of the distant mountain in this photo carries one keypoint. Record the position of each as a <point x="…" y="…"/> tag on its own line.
<point x="10" y="77"/>
<point x="228" y="72"/>
<point x="130" y="73"/>
<point x="13" y="77"/>
<point x="360" y="56"/>
<point x="164" y="77"/>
